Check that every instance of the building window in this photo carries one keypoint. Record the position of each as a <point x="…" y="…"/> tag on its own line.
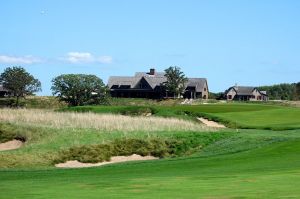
<point x="229" y="97"/>
<point x="204" y="89"/>
<point x="258" y="97"/>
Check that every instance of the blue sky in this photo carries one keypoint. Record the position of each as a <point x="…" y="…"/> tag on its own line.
<point x="248" y="42"/>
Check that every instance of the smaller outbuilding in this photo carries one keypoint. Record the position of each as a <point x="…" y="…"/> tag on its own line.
<point x="245" y="93"/>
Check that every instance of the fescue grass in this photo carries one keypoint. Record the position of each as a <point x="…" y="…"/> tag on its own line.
<point x="48" y="132"/>
<point x="44" y="144"/>
<point x="233" y="115"/>
<point x="8" y="134"/>
<point x="106" y="122"/>
<point x="175" y="145"/>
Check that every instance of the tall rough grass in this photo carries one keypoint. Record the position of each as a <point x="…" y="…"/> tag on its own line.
<point x="105" y="122"/>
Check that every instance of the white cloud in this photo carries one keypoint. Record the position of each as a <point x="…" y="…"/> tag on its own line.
<point x="105" y="59"/>
<point x="85" y="57"/>
<point x="77" y="57"/>
<point x="6" y="59"/>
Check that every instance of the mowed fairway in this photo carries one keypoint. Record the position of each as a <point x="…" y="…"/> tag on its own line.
<point x="248" y="163"/>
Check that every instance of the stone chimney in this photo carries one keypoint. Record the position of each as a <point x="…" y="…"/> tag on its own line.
<point x="152" y="71"/>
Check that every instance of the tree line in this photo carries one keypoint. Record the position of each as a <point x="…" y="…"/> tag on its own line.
<point x="77" y="89"/>
<point x="283" y="91"/>
<point x="83" y="89"/>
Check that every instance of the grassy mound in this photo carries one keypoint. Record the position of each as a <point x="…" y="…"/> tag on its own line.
<point x="177" y="145"/>
<point x="126" y="147"/>
<point x="42" y="102"/>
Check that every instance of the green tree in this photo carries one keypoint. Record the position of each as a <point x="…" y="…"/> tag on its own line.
<point x="280" y="91"/>
<point x="297" y="91"/>
<point x="79" y="89"/>
<point x="176" y="80"/>
<point x="19" y="82"/>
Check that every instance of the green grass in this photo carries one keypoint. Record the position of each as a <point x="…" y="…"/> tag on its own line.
<point x="269" y="170"/>
<point x="207" y="108"/>
<point x="243" y="163"/>
<point x="44" y="144"/>
<point x="278" y="119"/>
<point x="176" y="145"/>
<point x="41" y="102"/>
<point x="234" y="115"/>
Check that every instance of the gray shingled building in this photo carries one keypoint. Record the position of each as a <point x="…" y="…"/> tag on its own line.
<point x="148" y="85"/>
<point x="245" y="93"/>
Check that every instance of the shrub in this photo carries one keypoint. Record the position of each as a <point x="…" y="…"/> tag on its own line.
<point x="93" y="153"/>
<point x="177" y="145"/>
<point x="7" y="134"/>
<point x="123" y="147"/>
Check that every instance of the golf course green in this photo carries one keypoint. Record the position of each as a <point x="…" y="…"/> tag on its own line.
<point x="260" y="160"/>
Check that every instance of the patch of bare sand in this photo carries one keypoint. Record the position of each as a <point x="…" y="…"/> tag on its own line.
<point x="115" y="159"/>
<point x="10" y="145"/>
<point x="210" y="123"/>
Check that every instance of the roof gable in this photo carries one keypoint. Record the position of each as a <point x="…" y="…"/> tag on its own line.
<point x="119" y="80"/>
<point x="198" y="83"/>
<point x="244" y="90"/>
<point x="153" y="80"/>
<point x="142" y="84"/>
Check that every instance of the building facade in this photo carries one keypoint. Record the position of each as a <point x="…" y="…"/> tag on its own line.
<point x="149" y="85"/>
<point x="245" y="93"/>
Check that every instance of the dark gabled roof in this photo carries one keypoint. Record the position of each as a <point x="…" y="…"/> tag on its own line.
<point x="154" y="80"/>
<point x="245" y="90"/>
<point x="119" y="80"/>
<point x="199" y="83"/>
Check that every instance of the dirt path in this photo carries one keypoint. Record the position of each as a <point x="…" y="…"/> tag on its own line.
<point x="115" y="159"/>
<point x="210" y="123"/>
<point x="10" y="145"/>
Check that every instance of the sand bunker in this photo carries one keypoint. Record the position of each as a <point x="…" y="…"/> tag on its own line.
<point x="115" y="159"/>
<point x="210" y="123"/>
<point x="10" y="145"/>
